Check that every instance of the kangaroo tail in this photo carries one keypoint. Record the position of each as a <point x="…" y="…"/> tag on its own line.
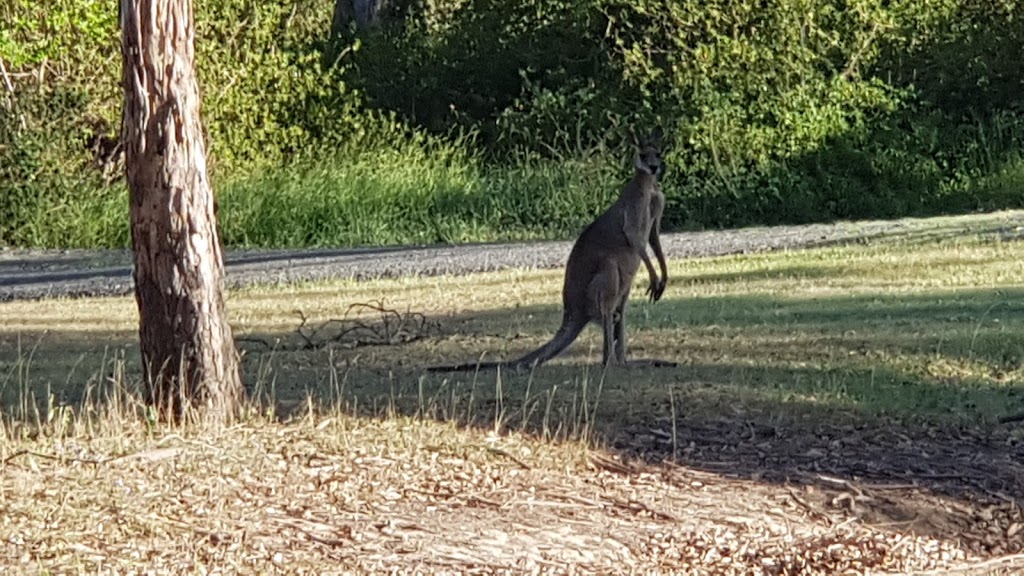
<point x="566" y="335"/>
<point x="465" y="367"/>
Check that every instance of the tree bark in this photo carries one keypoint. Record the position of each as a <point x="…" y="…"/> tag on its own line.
<point x="188" y="352"/>
<point x="366" y="13"/>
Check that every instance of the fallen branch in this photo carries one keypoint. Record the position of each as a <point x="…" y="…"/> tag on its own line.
<point x="146" y="455"/>
<point x="21" y="453"/>
<point x="11" y="94"/>
<point x="500" y="452"/>
<point x="391" y="327"/>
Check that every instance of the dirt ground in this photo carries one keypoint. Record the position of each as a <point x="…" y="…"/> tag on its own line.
<point x="398" y="495"/>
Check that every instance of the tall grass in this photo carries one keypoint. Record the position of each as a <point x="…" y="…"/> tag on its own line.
<point x="417" y="194"/>
<point x="421" y="193"/>
<point x="414" y="197"/>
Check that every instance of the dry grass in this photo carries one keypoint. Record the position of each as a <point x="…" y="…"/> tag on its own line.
<point x="337" y="494"/>
<point x="836" y="412"/>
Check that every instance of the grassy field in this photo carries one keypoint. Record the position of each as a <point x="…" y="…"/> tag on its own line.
<point x="834" y="409"/>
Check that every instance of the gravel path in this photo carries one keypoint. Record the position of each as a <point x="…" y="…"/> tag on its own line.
<point x="33" y="274"/>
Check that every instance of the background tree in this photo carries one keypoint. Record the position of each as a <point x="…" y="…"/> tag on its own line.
<point x="188" y="352"/>
<point x="365" y="13"/>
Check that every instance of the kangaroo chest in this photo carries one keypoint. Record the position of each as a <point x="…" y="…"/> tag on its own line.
<point x="640" y="214"/>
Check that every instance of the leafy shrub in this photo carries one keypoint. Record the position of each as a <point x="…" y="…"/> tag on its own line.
<point x="478" y="119"/>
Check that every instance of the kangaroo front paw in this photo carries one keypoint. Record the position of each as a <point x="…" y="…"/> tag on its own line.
<point x="655" y="290"/>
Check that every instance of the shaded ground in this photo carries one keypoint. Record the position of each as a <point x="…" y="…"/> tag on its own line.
<point x="835" y="411"/>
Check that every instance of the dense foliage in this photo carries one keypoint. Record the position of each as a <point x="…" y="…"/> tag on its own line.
<point x="461" y="120"/>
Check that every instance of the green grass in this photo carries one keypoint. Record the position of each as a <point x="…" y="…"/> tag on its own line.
<point x="929" y="331"/>
<point x="925" y="328"/>
<point x="393" y="199"/>
<point x="389" y="197"/>
<point x="422" y="191"/>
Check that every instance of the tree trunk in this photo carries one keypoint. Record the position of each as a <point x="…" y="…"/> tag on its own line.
<point x="188" y="352"/>
<point x="366" y="13"/>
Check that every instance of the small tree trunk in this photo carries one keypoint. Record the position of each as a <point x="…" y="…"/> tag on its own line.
<point x="188" y="352"/>
<point x="342" y="16"/>
<point x="366" y="13"/>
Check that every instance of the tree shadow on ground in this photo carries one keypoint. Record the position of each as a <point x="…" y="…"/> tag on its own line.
<point x="881" y="407"/>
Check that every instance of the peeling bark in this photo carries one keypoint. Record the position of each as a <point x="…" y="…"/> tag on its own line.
<point x="188" y="352"/>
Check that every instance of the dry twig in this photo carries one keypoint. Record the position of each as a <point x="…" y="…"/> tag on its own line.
<point x="391" y="328"/>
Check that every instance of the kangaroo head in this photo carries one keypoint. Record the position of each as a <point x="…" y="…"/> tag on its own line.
<point x="648" y="155"/>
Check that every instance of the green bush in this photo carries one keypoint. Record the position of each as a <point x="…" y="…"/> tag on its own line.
<point x="460" y="120"/>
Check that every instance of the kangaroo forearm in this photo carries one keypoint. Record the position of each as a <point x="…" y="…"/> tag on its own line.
<point x="650" y="267"/>
<point x="657" y="208"/>
<point x="659" y="253"/>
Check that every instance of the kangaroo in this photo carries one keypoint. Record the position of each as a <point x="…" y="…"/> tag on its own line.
<point x="601" y="267"/>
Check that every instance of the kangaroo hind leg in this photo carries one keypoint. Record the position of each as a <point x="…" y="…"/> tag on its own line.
<point x="620" y="330"/>
<point x="619" y="333"/>
<point x="602" y="296"/>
